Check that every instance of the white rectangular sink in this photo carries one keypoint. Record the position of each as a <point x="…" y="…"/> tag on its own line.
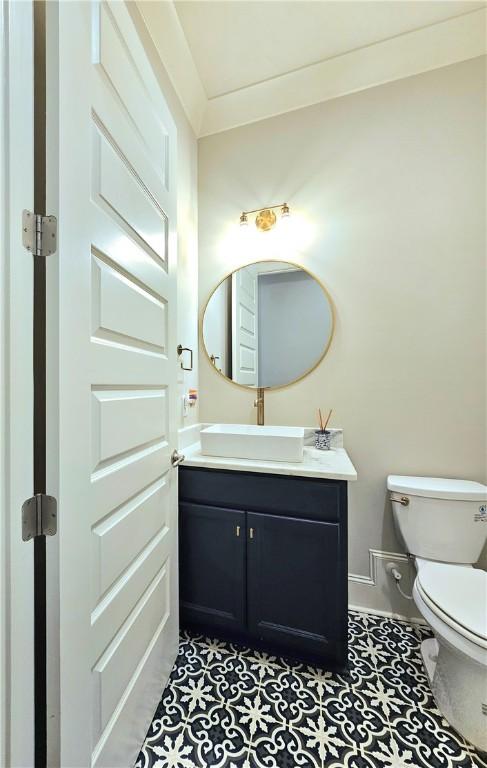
<point x="243" y="441"/>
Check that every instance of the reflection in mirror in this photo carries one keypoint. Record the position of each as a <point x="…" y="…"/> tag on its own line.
<point x="267" y="324"/>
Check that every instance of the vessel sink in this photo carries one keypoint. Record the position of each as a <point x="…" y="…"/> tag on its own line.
<point x="243" y="441"/>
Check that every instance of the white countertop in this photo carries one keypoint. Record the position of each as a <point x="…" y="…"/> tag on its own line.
<point x="334" y="464"/>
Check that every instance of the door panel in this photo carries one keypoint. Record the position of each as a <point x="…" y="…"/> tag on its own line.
<point x="121" y="536"/>
<point x="113" y="349"/>
<point x="125" y="195"/>
<point x="145" y="317"/>
<point x="292" y="575"/>
<point x="123" y="420"/>
<point x="245" y="341"/>
<point x="116" y="667"/>
<point x="117" y="66"/>
<point x="126" y="593"/>
<point x="212" y="557"/>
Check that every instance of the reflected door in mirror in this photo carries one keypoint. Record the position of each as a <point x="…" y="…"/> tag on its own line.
<point x="267" y="324"/>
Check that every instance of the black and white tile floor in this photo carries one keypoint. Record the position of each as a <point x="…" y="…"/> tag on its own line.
<point x="232" y="707"/>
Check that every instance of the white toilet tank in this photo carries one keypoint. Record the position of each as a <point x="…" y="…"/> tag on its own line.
<point x="440" y="519"/>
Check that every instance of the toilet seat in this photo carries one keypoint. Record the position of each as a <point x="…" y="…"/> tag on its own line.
<point x="447" y="589"/>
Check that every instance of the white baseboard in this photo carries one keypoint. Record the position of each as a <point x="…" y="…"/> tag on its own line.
<point x="388" y="614"/>
<point x="376" y="593"/>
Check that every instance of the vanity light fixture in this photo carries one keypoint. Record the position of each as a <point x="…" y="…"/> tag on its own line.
<point x="266" y="217"/>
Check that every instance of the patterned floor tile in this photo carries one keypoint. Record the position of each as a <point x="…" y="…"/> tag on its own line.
<point x="292" y="697"/>
<point x="212" y="649"/>
<point x="431" y="740"/>
<point x="265" y="665"/>
<point x="196" y="695"/>
<point x="381" y="696"/>
<point x="406" y="679"/>
<point x="168" y="750"/>
<point x="227" y="706"/>
<point x="390" y="754"/>
<point x="190" y="662"/>
<point x="324" y="683"/>
<point x="479" y="759"/>
<point x="191" y="635"/>
<point x="169" y="716"/>
<point x="232" y="678"/>
<point x="283" y="747"/>
<point x="359" y="723"/>
<point x="367" y="655"/>
<point x="394" y="638"/>
<point x="256" y="714"/>
<point x="358" y="625"/>
<point x="354" y="759"/>
<point x="326" y="738"/>
<point x="218" y="738"/>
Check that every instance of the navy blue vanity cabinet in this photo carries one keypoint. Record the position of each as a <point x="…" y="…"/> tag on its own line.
<point x="263" y="561"/>
<point x="212" y="582"/>
<point x="293" y="575"/>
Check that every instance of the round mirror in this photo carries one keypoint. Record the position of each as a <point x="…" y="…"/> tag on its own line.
<point x="267" y="324"/>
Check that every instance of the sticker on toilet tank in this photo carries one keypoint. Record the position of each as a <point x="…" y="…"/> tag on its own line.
<point x="481" y="515"/>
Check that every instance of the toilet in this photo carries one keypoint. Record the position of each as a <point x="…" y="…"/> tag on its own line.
<point x="443" y="525"/>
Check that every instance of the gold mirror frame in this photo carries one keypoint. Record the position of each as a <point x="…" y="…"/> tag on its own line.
<point x="306" y="373"/>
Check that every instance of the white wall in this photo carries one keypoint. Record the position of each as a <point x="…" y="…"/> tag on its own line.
<point x="187" y="298"/>
<point x="391" y="183"/>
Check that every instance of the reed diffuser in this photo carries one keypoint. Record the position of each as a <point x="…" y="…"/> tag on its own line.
<point x="322" y="435"/>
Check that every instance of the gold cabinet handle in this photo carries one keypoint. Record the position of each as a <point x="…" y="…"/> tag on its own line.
<point x="238" y="530"/>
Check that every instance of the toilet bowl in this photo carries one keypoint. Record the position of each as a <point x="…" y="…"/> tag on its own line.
<point x="456" y="659"/>
<point x="443" y="524"/>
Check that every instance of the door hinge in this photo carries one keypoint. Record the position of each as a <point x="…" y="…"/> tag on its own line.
<point x="39" y="233"/>
<point x="39" y="516"/>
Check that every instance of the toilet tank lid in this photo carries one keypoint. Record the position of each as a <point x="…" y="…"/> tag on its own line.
<point x="438" y="488"/>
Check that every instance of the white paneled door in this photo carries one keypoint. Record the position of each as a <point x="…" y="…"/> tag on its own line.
<point x="111" y="385"/>
<point x="245" y="329"/>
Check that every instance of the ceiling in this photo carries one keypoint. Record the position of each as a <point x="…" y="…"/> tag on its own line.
<point x="234" y="62"/>
<point x="238" y="43"/>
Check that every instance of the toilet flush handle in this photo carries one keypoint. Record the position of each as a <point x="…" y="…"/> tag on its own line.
<point x="403" y="500"/>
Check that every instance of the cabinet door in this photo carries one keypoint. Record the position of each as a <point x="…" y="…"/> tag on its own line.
<point x="212" y="566"/>
<point x="296" y="598"/>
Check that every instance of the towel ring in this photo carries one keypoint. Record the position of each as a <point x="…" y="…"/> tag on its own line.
<point x="182" y="349"/>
